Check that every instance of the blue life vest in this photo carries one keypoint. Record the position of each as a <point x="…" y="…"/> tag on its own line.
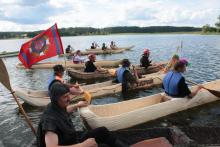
<point x="120" y="73"/>
<point x="52" y="79"/>
<point x="170" y="83"/>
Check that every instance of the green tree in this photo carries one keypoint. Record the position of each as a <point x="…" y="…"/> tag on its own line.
<point x="206" y="28"/>
<point x="217" y="24"/>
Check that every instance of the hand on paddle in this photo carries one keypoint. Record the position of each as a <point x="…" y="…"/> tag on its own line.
<point x="82" y="104"/>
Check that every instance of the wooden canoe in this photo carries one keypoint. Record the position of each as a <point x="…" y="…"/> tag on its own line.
<point x="81" y="75"/>
<point x="68" y="64"/>
<point x="40" y="98"/>
<point x="137" y="111"/>
<point x="100" y="51"/>
<point x="8" y="54"/>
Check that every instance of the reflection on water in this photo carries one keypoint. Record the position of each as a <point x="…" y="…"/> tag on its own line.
<point x="202" y="51"/>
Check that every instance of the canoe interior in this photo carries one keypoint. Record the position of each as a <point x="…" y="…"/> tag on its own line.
<point x="131" y="105"/>
<point x="126" y="106"/>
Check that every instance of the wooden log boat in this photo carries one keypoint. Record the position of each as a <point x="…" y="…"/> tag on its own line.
<point x="8" y="54"/>
<point x="81" y="75"/>
<point x="133" y="112"/>
<point x="100" y="51"/>
<point x="40" y="98"/>
<point x="68" y="64"/>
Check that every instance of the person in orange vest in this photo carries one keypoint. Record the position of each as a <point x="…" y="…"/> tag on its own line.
<point x="58" y="77"/>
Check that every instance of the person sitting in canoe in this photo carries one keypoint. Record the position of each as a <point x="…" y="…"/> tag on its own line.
<point x="68" y="49"/>
<point x="104" y="47"/>
<point x="58" y="77"/>
<point x="171" y="64"/>
<point x="93" y="46"/>
<point x="77" y="58"/>
<point x="56" y="129"/>
<point x="145" y="61"/>
<point x="90" y="67"/>
<point x="124" y="76"/>
<point x="174" y="83"/>
<point x="112" y="45"/>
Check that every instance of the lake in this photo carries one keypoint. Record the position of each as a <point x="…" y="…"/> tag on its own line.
<point x="203" y="52"/>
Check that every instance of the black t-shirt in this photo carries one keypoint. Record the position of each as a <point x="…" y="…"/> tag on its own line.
<point x="145" y="62"/>
<point x="68" y="50"/>
<point x="90" y="67"/>
<point x="183" y="88"/>
<point x="56" y="120"/>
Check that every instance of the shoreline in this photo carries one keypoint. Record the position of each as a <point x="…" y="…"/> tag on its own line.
<point x="156" y="33"/>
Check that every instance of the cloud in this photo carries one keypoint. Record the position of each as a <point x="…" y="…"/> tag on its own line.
<point x="35" y="15"/>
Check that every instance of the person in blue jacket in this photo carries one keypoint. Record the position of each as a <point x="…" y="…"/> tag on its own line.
<point x="124" y="75"/>
<point x="174" y="83"/>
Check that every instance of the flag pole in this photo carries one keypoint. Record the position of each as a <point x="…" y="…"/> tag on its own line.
<point x="4" y="79"/>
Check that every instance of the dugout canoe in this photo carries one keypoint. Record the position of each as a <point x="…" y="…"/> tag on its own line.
<point x="137" y="111"/>
<point x="70" y="64"/>
<point x="5" y="54"/>
<point x="100" y="51"/>
<point x="40" y="98"/>
<point x="81" y="75"/>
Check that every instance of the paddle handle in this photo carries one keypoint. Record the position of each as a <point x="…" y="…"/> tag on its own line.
<point x="24" y="113"/>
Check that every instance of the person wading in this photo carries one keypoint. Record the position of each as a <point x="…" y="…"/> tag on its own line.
<point x="58" y="77"/>
<point x="174" y="83"/>
<point x="56" y="129"/>
<point x="145" y="61"/>
<point x="124" y="76"/>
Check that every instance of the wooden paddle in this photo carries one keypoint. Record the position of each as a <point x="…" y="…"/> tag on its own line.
<point x="87" y="95"/>
<point x="214" y="92"/>
<point x="4" y="79"/>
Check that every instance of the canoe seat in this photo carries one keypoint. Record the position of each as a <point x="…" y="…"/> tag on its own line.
<point x="156" y="142"/>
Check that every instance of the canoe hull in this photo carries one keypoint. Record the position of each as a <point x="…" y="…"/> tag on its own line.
<point x="40" y="98"/>
<point x="100" y="51"/>
<point x="133" y="112"/>
<point x="80" y="75"/>
<point x="70" y="64"/>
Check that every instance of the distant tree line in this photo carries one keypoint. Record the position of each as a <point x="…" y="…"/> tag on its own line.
<point x="103" y="31"/>
<point x="209" y="29"/>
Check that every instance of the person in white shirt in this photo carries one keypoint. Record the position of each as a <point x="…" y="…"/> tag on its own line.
<point x="77" y="58"/>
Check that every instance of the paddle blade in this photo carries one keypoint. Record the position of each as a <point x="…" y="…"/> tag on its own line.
<point x="4" y="78"/>
<point x="214" y="92"/>
<point x="112" y="72"/>
<point x="87" y="96"/>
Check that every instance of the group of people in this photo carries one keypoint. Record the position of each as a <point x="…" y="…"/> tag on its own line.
<point x="104" y="46"/>
<point x="56" y="128"/>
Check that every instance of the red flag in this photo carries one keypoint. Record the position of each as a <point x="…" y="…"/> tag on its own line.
<point x="45" y="45"/>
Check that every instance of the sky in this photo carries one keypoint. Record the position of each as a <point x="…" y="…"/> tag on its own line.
<point x="32" y="15"/>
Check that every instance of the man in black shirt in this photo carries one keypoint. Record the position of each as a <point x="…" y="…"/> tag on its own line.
<point x="56" y="128"/>
<point x="174" y="83"/>
<point x="90" y="67"/>
<point x="68" y="49"/>
<point x="145" y="61"/>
